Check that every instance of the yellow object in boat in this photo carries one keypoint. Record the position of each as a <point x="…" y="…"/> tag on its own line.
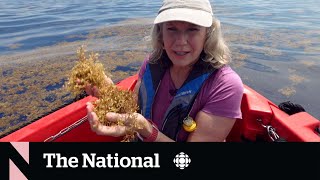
<point x="189" y="124"/>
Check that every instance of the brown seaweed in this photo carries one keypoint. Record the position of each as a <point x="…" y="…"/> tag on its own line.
<point x="111" y="98"/>
<point x="87" y="70"/>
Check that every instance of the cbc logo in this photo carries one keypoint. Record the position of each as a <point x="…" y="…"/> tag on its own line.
<point x="182" y="160"/>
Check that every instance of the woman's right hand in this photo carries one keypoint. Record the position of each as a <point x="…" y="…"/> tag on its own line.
<point x="144" y="130"/>
<point x="93" y="90"/>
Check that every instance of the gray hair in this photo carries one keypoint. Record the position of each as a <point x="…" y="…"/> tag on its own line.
<point x="216" y="51"/>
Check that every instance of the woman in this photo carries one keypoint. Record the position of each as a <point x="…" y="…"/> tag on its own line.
<point x="186" y="90"/>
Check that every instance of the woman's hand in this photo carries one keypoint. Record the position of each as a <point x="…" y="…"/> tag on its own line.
<point x="117" y="130"/>
<point x="93" y="90"/>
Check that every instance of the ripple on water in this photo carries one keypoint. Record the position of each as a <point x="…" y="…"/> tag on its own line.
<point x="22" y="91"/>
<point x="7" y="72"/>
<point x="3" y="128"/>
<point x="51" y="98"/>
<point x="55" y="86"/>
<point x="258" y="67"/>
<point x="22" y="118"/>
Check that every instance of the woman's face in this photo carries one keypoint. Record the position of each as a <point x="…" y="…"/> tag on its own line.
<point x="183" y="42"/>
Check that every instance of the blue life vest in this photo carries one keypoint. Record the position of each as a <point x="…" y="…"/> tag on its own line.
<point x="182" y="102"/>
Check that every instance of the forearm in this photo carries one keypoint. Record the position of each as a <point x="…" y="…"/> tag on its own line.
<point x="163" y="138"/>
<point x="149" y="132"/>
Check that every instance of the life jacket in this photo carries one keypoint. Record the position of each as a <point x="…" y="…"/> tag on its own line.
<point x="182" y="102"/>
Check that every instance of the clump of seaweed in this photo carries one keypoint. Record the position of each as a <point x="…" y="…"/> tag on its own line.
<point x="87" y="70"/>
<point x="120" y="101"/>
<point x="111" y="98"/>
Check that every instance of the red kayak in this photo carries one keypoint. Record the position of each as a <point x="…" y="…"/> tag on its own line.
<point x="262" y="121"/>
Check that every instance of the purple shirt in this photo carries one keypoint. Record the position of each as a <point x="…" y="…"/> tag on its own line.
<point x="220" y="95"/>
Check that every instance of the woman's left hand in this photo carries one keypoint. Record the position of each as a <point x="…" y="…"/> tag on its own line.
<point x="116" y="130"/>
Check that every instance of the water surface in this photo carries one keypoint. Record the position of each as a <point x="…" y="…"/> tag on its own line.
<point x="275" y="46"/>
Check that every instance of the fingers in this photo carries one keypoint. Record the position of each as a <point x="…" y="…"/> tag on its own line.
<point x="115" y="117"/>
<point x="142" y="126"/>
<point x="100" y="129"/>
<point x="108" y="80"/>
<point x="89" y="107"/>
<point x="92" y="117"/>
<point x="115" y="131"/>
<point x="90" y="89"/>
<point x="95" y="91"/>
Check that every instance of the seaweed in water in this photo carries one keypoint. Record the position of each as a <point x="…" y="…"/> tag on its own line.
<point x="111" y="98"/>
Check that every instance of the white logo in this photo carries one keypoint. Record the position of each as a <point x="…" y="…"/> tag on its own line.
<point x="182" y="160"/>
<point x="183" y="93"/>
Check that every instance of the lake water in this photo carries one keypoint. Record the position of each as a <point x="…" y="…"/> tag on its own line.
<point x="275" y="45"/>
